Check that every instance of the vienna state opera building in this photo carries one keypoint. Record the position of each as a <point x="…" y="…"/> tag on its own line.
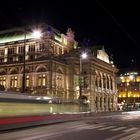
<point x="51" y="65"/>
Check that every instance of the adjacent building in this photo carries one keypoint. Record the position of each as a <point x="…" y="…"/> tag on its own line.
<point x="50" y="66"/>
<point x="129" y="89"/>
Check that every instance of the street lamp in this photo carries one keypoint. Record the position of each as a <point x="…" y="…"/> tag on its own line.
<point x="83" y="56"/>
<point x="35" y="35"/>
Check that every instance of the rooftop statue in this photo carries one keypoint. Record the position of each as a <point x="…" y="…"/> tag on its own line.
<point x="70" y="33"/>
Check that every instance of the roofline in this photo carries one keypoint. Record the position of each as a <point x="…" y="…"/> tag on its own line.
<point x="12" y="30"/>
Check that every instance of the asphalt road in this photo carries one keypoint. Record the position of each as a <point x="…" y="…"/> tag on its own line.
<point x="98" y="127"/>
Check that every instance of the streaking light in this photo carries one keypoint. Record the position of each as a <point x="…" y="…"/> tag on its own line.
<point x="35" y="35"/>
<point x="15" y="38"/>
<point x="46" y="98"/>
<point x="38" y="98"/>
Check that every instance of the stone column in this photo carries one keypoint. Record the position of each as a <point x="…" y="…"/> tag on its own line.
<point x="8" y="81"/>
<point x="5" y="54"/>
<point x="115" y="102"/>
<point x="105" y="82"/>
<point x="98" y="103"/>
<point x="92" y="103"/>
<point x="36" y="48"/>
<point x="92" y="91"/>
<point x="34" y="80"/>
<point x="26" y="52"/>
<point x="17" y="52"/>
<point x="109" y="83"/>
<point x="102" y="103"/>
<point x="106" y="103"/>
<point x="19" y="81"/>
<point x="102" y="83"/>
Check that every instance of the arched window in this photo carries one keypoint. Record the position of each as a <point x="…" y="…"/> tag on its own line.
<point x="100" y="101"/>
<point x="96" y="81"/>
<point x="108" y="82"/>
<point x="111" y="83"/>
<point x="104" y="81"/>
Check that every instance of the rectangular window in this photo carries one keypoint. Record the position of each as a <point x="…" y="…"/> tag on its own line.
<point x="21" y="49"/>
<point x="3" y="81"/>
<point x="12" y="50"/>
<point x="39" y="80"/>
<point x="14" y="81"/>
<point x="1" y="53"/>
<point x="32" y="48"/>
<point x="41" y="47"/>
<point x="42" y="80"/>
<point x="27" y="81"/>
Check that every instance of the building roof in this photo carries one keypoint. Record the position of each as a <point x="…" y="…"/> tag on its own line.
<point x="17" y="34"/>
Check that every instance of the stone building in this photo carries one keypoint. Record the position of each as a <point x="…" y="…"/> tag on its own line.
<point x="128" y="83"/>
<point x="51" y="65"/>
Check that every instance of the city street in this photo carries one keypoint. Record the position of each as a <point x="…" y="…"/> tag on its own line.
<point x="123" y="126"/>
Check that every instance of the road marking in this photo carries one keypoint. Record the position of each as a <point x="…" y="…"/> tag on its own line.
<point x="95" y="127"/>
<point x="135" y="137"/>
<point x="122" y="136"/>
<point x="129" y="137"/>
<point x="105" y="128"/>
<point x="130" y="129"/>
<point x="91" y="127"/>
<point x="118" y="128"/>
<point x="78" y="126"/>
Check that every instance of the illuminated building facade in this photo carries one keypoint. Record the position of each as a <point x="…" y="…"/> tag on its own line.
<point x="129" y="88"/>
<point x="52" y="67"/>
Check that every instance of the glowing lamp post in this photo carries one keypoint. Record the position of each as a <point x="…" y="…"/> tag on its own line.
<point x="83" y="56"/>
<point x="35" y="35"/>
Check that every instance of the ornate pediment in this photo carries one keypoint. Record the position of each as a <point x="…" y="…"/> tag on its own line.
<point x="102" y="55"/>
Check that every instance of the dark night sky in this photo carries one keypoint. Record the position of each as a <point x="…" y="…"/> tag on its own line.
<point x="114" y="24"/>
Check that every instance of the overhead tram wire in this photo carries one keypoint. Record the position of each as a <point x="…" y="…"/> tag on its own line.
<point x="119" y="25"/>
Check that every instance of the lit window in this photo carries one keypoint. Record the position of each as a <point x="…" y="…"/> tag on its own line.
<point x="2" y="81"/>
<point x="41" y="80"/>
<point x="27" y="81"/>
<point x="14" y="81"/>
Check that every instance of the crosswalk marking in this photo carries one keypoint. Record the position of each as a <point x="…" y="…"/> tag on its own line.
<point x="78" y="126"/>
<point x="91" y="127"/>
<point x="102" y="127"/>
<point x="121" y="136"/>
<point x="95" y="127"/>
<point x="105" y="128"/>
<point x="130" y="129"/>
<point x="118" y="128"/>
